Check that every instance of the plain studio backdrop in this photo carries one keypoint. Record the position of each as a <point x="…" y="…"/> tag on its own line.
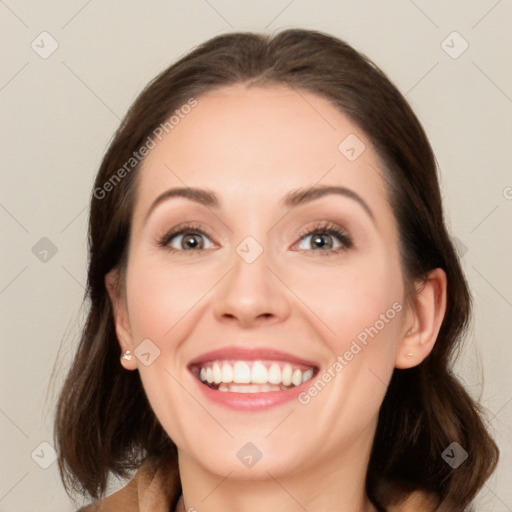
<point x="69" y="72"/>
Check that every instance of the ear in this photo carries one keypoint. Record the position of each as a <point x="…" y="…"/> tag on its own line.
<point x="424" y="316"/>
<point x="121" y="317"/>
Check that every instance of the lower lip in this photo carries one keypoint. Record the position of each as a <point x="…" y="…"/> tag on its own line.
<point x="251" y="401"/>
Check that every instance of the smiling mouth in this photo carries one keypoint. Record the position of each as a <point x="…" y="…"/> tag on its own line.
<point x="258" y="376"/>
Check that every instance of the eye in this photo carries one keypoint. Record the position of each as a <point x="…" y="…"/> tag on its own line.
<point x="192" y="238"/>
<point x="321" y="236"/>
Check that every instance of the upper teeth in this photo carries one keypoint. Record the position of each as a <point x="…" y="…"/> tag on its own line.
<point x="253" y="372"/>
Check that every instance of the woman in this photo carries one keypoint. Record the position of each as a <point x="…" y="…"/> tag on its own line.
<point x="274" y="297"/>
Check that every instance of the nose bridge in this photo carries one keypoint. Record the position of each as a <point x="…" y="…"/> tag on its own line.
<point x="251" y="290"/>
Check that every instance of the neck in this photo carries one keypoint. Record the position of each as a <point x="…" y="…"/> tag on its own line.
<point x="336" y="484"/>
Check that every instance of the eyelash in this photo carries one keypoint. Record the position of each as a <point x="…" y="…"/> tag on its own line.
<point x="328" y="228"/>
<point x="324" y="228"/>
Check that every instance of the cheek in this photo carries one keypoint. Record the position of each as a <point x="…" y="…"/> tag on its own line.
<point x="343" y="301"/>
<point x="161" y="301"/>
<point x="358" y="299"/>
<point x="360" y="307"/>
<point x="160" y="297"/>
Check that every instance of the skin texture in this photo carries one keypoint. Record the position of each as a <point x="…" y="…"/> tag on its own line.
<point x="251" y="146"/>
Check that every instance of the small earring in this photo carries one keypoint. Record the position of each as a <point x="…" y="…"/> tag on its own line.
<point x="409" y="354"/>
<point x="127" y="355"/>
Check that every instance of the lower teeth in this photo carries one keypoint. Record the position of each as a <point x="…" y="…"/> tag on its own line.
<point x="250" y="388"/>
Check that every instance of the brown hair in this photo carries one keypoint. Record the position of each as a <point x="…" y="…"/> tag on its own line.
<point x="104" y="422"/>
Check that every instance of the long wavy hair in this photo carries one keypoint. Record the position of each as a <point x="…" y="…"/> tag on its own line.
<point x="104" y="423"/>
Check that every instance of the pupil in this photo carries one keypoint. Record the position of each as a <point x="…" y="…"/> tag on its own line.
<point x="190" y="241"/>
<point x="319" y="239"/>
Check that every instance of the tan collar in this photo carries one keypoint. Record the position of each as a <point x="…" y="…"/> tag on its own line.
<point x="155" y="490"/>
<point x="150" y="490"/>
<point x="418" y="501"/>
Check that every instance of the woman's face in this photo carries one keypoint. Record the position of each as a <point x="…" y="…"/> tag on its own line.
<point x="259" y="289"/>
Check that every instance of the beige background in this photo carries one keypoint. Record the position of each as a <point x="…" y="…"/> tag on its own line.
<point x="59" y="113"/>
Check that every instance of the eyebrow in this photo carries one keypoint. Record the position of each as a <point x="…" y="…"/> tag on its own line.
<point x="293" y="198"/>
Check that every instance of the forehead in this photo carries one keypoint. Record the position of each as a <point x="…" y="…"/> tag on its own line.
<point x="253" y="144"/>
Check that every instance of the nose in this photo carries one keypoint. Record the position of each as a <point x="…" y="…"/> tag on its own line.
<point x="251" y="294"/>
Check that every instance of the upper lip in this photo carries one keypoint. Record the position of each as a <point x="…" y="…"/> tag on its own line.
<point x="250" y="354"/>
